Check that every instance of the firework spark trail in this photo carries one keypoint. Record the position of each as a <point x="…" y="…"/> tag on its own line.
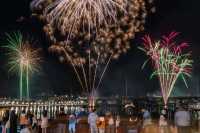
<point x="27" y="83"/>
<point x="89" y="63"/>
<point x="36" y="3"/>
<point x="75" y="70"/>
<point x="21" y="83"/>
<point x="95" y="73"/>
<point x="169" y="62"/>
<point x="167" y="79"/>
<point x="105" y="68"/>
<point x="85" y="77"/>
<point x="92" y="98"/>
<point x="87" y="80"/>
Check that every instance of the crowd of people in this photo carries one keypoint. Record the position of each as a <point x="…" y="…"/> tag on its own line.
<point x="27" y="122"/>
<point x="182" y="122"/>
<point x="103" y="123"/>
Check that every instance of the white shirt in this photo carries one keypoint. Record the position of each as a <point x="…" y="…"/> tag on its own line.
<point x="92" y="119"/>
<point x="25" y="130"/>
<point x="182" y="118"/>
<point x="162" y="123"/>
<point x="44" y="123"/>
<point x="117" y="122"/>
<point x="163" y="112"/>
<point x="110" y="121"/>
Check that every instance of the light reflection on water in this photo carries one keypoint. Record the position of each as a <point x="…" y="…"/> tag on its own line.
<point x="52" y="107"/>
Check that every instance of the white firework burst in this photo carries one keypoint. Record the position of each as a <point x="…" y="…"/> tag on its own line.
<point x="71" y="16"/>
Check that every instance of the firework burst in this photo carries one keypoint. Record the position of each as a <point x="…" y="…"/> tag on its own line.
<point x="113" y="39"/>
<point x="169" y="61"/>
<point x="23" y="59"/>
<point x="71" y="16"/>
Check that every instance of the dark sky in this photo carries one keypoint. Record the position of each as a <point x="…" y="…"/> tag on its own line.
<point x="179" y="15"/>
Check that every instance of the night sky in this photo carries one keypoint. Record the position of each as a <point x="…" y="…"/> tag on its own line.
<point x="56" y="78"/>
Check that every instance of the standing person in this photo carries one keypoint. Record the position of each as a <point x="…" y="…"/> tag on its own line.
<point x="29" y="118"/>
<point x="44" y="123"/>
<point x="163" y="125"/>
<point x="146" y="118"/>
<point x="13" y="122"/>
<point x="23" y="119"/>
<point x="182" y="120"/>
<point x="26" y="129"/>
<point x="198" y="120"/>
<point x="34" y="124"/>
<point x="101" y="124"/>
<point x="72" y="123"/>
<point x="111" y="124"/>
<point x="117" y="123"/>
<point x="7" y="126"/>
<point x="92" y="121"/>
<point x="5" y="121"/>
